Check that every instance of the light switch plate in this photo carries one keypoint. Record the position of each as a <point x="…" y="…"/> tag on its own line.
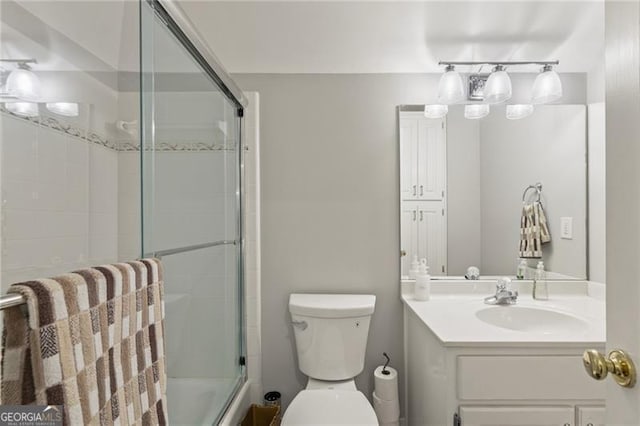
<point x="566" y="228"/>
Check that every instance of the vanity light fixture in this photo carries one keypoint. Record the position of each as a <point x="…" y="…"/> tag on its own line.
<point x="498" y="86"/>
<point x="23" y="109"/>
<point x="516" y="112"/>
<point x="476" y="111"/>
<point x="22" y="83"/>
<point x="450" y="87"/>
<point x="68" y="109"/>
<point x="547" y="87"/>
<point x="435" y="111"/>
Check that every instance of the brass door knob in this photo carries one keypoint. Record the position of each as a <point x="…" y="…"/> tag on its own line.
<point x="403" y="253"/>
<point x="617" y="363"/>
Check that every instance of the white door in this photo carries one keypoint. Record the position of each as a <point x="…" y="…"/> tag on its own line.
<point x="431" y="158"/>
<point x="409" y="237"/>
<point x="431" y="236"/>
<point x="622" y="41"/>
<point x="408" y="158"/>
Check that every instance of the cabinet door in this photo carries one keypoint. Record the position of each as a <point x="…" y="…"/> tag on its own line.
<point x="517" y="416"/>
<point x="431" y="159"/>
<point x="590" y="416"/>
<point x="409" y="237"/>
<point x="408" y="158"/>
<point x="431" y="236"/>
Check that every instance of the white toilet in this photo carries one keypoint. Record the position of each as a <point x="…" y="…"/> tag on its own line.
<point x="331" y="333"/>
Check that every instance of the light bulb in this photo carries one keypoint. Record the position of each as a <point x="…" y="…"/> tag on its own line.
<point x="435" y="111"/>
<point x="547" y="87"/>
<point x="474" y="112"/>
<point x="516" y="112"/>
<point x="24" y="109"/>
<point x="23" y="84"/>
<point x="498" y="86"/>
<point x="450" y="88"/>
<point x="68" y="109"/>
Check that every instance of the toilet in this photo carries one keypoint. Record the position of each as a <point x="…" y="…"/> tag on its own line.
<point x="331" y="333"/>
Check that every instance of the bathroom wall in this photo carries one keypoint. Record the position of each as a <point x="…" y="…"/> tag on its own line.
<point x="330" y="201"/>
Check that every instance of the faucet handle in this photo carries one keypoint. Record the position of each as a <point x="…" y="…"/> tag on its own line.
<point x="503" y="283"/>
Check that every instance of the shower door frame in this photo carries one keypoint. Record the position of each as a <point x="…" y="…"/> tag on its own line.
<point x="171" y="15"/>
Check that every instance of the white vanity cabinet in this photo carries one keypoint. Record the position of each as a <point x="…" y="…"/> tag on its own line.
<point x="494" y="382"/>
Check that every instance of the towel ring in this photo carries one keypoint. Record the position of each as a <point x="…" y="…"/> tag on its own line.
<point x="537" y="187"/>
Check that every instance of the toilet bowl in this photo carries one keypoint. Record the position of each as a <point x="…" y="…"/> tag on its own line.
<point x="331" y="332"/>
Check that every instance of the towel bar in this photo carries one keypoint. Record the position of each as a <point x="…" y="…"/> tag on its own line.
<point x="537" y="187"/>
<point x="10" y="300"/>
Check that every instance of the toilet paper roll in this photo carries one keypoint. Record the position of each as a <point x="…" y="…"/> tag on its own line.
<point x="386" y="411"/>
<point x="386" y="385"/>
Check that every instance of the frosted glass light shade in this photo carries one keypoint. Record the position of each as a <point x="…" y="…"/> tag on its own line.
<point x="547" y="87"/>
<point x="435" y="111"/>
<point x="450" y="88"/>
<point x="498" y="86"/>
<point x="474" y="112"/>
<point x="23" y="84"/>
<point x="516" y="112"/>
<point x="24" y="109"/>
<point x="68" y="109"/>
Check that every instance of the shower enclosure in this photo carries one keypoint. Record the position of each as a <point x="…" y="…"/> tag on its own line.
<point x="146" y="160"/>
<point x="191" y="162"/>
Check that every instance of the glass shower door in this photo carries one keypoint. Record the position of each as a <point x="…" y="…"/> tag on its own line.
<point x="191" y="219"/>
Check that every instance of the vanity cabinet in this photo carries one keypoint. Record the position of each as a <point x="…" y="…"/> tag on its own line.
<point x="496" y="383"/>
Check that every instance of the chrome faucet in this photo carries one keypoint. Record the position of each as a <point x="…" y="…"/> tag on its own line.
<point x="503" y="296"/>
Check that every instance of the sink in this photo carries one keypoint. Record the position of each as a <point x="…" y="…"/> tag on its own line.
<point x="521" y="318"/>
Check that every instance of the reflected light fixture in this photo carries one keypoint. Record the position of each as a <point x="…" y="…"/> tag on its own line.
<point x="547" y="87"/>
<point x="450" y="87"/>
<point x="23" y="84"/>
<point x="435" y="111"/>
<point x="474" y="112"/>
<point x="498" y="86"/>
<point x="68" y="109"/>
<point x="23" y="109"/>
<point x="516" y="112"/>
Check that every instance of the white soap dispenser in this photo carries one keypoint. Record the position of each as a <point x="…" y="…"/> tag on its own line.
<point x="521" y="272"/>
<point x="422" y="289"/>
<point x="540" y="287"/>
<point x="413" y="270"/>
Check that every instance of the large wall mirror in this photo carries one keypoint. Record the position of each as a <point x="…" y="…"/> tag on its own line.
<point x="491" y="192"/>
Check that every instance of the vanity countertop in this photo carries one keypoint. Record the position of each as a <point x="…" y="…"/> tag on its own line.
<point x="454" y="316"/>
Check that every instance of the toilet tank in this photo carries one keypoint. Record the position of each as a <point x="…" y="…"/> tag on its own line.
<point x="331" y="333"/>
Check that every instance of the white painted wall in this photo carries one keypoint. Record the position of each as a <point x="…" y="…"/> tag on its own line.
<point x="548" y="147"/>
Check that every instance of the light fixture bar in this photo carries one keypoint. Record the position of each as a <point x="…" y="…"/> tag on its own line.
<point x="20" y="61"/>
<point x="556" y="62"/>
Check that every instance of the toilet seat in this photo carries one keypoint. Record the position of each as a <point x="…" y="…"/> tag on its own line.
<point x="330" y="407"/>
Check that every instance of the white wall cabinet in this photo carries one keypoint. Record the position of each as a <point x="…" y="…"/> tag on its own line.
<point x="422" y="191"/>
<point x="423" y="225"/>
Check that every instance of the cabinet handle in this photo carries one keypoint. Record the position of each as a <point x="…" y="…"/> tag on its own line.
<point x="414" y="215"/>
<point x="589" y="424"/>
<point x="421" y="212"/>
<point x="421" y="190"/>
<point x="414" y="190"/>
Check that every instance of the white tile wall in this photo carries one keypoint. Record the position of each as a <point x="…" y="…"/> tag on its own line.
<point x="60" y="203"/>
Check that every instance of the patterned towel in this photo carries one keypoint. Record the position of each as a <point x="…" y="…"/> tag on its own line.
<point x="534" y="231"/>
<point x="93" y="342"/>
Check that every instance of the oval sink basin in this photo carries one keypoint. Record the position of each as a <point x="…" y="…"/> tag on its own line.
<point x="531" y="319"/>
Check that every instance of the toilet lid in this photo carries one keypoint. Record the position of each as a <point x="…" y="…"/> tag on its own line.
<point x="330" y="407"/>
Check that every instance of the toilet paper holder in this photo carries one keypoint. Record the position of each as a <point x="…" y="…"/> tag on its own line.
<point x="384" y="368"/>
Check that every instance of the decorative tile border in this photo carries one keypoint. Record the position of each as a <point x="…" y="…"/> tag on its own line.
<point x="124" y="145"/>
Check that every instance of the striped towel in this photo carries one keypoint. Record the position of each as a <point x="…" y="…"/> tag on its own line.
<point x="93" y="342"/>
<point x="534" y="230"/>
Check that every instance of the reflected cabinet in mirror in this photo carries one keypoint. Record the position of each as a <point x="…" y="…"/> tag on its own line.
<point x="495" y="193"/>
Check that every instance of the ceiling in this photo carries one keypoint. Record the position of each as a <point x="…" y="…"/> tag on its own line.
<point x="395" y="36"/>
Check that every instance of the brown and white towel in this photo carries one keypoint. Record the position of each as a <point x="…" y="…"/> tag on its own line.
<point x="93" y="341"/>
<point x="534" y="230"/>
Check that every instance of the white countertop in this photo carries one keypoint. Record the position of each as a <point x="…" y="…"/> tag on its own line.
<point x="451" y="315"/>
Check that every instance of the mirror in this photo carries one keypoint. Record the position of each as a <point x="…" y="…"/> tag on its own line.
<point x="477" y="192"/>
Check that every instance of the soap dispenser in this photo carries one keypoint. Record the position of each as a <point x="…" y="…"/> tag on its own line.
<point x="413" y="270"/>
<point x="422" y="289"/>
<point x="540" y="288"/>
<point x="521" y="272"/>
